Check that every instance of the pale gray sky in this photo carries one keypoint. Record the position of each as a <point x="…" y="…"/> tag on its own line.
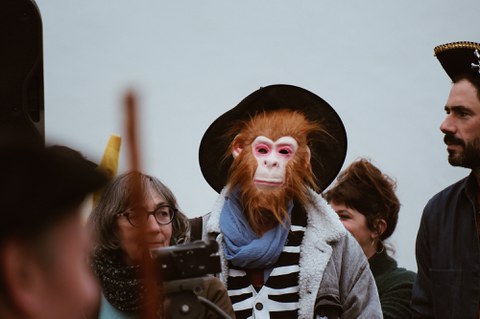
<point x="191" y="61"/>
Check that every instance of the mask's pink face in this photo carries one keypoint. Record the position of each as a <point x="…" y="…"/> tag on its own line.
<point x="272" y="158"/>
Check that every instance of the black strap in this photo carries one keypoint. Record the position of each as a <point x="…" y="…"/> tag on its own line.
<point x="196" y="228"/>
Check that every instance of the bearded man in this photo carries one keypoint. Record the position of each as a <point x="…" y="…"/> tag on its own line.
<point x="447" y="248"/>
<point x="284" y="252"/>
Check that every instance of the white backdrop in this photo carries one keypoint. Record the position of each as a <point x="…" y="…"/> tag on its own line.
<point x="190" y="61"/>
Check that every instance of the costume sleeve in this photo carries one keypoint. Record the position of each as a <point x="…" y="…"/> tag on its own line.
<point x="421" y="293"/>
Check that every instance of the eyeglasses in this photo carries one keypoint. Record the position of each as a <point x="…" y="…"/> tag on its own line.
<point x="163" y="215"/>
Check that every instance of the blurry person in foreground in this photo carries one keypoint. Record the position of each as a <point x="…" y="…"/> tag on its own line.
<point x="119" y="223"/>
<point x="43" y="244"/>
<point x="364" y="199"/>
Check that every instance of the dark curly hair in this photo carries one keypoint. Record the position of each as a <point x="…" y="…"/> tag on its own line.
<point x="474" y="80"/>
<point x="363" y="187"/>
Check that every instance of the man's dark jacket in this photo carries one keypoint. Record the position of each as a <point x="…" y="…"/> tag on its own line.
<point x="448" y="255"/>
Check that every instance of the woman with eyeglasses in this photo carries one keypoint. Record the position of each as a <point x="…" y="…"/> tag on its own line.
<point x="119" y="244"/>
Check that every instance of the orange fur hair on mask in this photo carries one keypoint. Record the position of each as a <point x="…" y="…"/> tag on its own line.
<point x="265" y="208"/>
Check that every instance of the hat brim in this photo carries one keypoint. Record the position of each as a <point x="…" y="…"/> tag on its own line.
<point x="328" y="149"/>
<point x="457" y="58"/>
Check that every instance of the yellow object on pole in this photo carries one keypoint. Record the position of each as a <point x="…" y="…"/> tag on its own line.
<point x="109" y="162"/>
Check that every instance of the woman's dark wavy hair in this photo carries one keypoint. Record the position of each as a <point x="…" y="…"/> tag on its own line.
<point x="117" y="197"/>
<point x="363" y="187"/>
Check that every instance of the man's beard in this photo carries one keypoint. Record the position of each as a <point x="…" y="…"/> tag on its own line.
<point x="469" y="158"/>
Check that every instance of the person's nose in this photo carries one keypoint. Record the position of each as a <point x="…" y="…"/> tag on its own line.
<point x="152" y="224"/>
<point x="448" y="125"/>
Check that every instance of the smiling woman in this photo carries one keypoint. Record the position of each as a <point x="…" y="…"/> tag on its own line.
<point x="124" y="229"/>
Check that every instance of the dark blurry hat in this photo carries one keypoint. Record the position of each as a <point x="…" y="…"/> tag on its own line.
<point x="328" y="149"/>
<point x="459" y="58"/>
<point x="40" y="185"/>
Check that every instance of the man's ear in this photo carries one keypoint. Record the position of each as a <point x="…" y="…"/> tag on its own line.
<point x="23" y="277"/>
<point x="237" y="145"/>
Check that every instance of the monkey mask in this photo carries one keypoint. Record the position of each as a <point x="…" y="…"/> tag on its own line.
<point x="275" y="145"/>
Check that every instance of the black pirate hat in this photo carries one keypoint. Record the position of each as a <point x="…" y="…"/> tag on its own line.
<point x="458" y="58"/>
<point x="328" y="149"/>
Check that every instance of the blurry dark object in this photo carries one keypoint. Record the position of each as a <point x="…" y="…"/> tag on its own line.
<point x="21" y="65"/>
<point x="183" y="269"/>
<point x="186" y="261"/>
<point x="40" y="185"/>
<point x="183" y="301"/>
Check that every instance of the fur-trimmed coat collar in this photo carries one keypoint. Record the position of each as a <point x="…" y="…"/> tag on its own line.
<point x="323" y="228"/>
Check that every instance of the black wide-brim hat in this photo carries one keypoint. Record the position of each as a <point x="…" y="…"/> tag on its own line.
<point x="328" y="149"/>
<point x="459" y="58"/>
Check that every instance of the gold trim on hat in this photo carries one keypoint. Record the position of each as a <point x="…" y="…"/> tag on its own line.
<point x="456" y="45"/>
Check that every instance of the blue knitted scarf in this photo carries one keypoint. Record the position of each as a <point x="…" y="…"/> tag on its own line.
<point x="243" y="247"/>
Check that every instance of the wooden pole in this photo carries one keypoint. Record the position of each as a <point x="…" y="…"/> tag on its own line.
<point x="152" y="297"/>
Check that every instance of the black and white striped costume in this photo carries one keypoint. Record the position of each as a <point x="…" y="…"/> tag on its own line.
<point x="317" y="243"/>
<point x="279" y="295"/>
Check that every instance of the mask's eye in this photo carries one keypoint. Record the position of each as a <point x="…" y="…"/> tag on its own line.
<point x="262" y="149"/>
<point x="286" y="151"/>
